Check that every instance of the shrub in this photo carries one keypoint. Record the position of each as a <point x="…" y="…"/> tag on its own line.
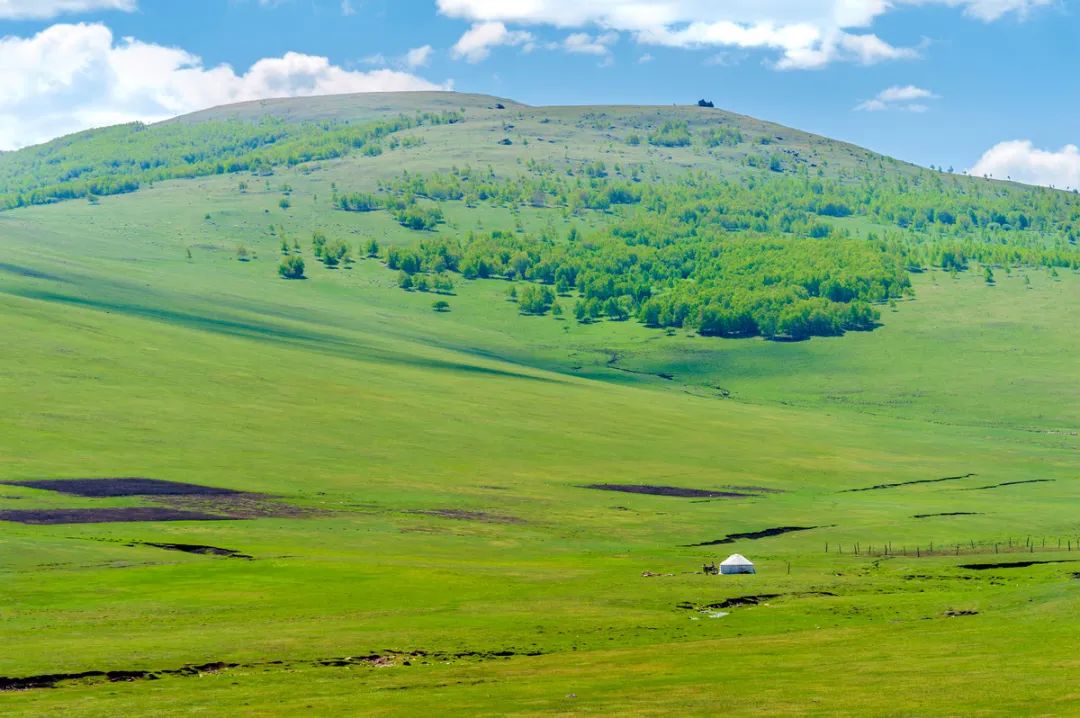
<point x="291" y="268"/>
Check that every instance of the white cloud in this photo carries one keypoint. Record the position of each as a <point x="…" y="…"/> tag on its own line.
<point x="418" y="57"/>
<point x="645" y="59"/>
<point x="347" y="8"/>
<point x="475" y="45"/>
<point x="898" y="97"/>
<point x="804" y="33"/>
<point x="43" y="9"/>
<point x="905" y="93"/>
<point x="585" y="44"/>
<point x="71" y="77"/>
<point x="1021" y="161"/>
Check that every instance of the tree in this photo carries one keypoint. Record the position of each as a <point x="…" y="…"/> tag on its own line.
<point x="334" y="253"/>
<point x="405" y="280"/>
<point x="535" y="299"/>
<point x="441" y="305"/>
<point x="988" y="274"/>
<point x="318" y="242"/>
<point x="373" y="248"/>
<point x="291" y="268"/>
<point x="284" y="203"/>
<point x="556" y="310"/>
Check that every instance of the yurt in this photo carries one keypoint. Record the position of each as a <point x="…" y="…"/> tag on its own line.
<point x="737" y="563"/>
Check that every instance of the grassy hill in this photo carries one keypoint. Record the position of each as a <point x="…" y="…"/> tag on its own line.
<point x="419" y="519"/>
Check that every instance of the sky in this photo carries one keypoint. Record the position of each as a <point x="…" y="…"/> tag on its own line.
<point x="991" y="87"/>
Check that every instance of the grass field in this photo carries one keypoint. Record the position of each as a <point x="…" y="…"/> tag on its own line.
<point x="433" y="467"/>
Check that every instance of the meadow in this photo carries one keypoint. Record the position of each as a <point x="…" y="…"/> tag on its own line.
<point x="422" y="536"/>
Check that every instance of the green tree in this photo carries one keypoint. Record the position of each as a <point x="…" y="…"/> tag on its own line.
<point x="291" y="268"/>
<point x="441" y="305"/>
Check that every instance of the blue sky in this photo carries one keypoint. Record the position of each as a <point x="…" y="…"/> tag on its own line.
<point x="940" y="82"/>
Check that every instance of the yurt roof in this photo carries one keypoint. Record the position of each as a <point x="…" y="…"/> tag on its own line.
<point x="736" y="559"/>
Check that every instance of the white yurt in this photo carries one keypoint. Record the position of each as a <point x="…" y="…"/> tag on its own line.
<point x="737" y="563"/>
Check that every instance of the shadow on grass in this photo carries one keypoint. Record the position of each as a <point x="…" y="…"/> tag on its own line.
<point x="272" y="333"/>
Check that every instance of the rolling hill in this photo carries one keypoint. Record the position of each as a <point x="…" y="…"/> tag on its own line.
<point x="670" y="334"/>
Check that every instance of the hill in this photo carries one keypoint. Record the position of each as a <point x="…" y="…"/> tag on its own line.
<point x="504" y="507"/>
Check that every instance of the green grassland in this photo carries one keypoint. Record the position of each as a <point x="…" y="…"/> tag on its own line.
<point x="440" y="460"/>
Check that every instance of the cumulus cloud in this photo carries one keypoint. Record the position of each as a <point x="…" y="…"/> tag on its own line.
<point x="1022" y="161"/>
<point x="585" y="44"/>
<point x="898" y="97"/>
<point x="70" y="77"/>
<point x="418" y="57"/>
<point x="804" y="33"/>
<point x="475" y="45"/>
<point x="44" y="9"/>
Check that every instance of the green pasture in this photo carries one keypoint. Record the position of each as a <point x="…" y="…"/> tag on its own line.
<point x="441" y="458"/>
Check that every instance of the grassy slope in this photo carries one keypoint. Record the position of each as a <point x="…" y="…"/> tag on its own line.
<point x="345" y="393"/>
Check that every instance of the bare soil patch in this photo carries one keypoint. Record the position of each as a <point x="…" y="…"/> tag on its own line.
<point x="668" y="491"/>
<point x="122" y="486"/>
<point x="754" y="535"/>
<point x="49" y="517"/>
<point x="878" y="487"/>
<point x="950" y="513"/>
<point x="462" y="515"/>
<point x="1008" y="564"/>
<point x="196" y="549"/>
<point x="375" y="660"/>
<point x="1011" y="483"/>
<point x="754" y="600"/>
<point x="238" y="506"/>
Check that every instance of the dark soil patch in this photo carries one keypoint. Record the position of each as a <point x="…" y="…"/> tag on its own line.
<point x="950" y="513"/>
<point x="668" y="491"/>
<point x="388" y="658"/>
<point x="127" y="486"/>
<point x="1008" y="564"/>
<point x="239" y="506"/>
<point x="462" y="515"/>
<point x="1011" y="483"/>
<point x="753" y="535"/>
<point x="744" y="601"/>
<point x="196" y="548"/>
<point x="755" y="600"/>
<point x="48" y="517"/>
<point x="954" y="614"/>
<point x="908" y="483"/>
